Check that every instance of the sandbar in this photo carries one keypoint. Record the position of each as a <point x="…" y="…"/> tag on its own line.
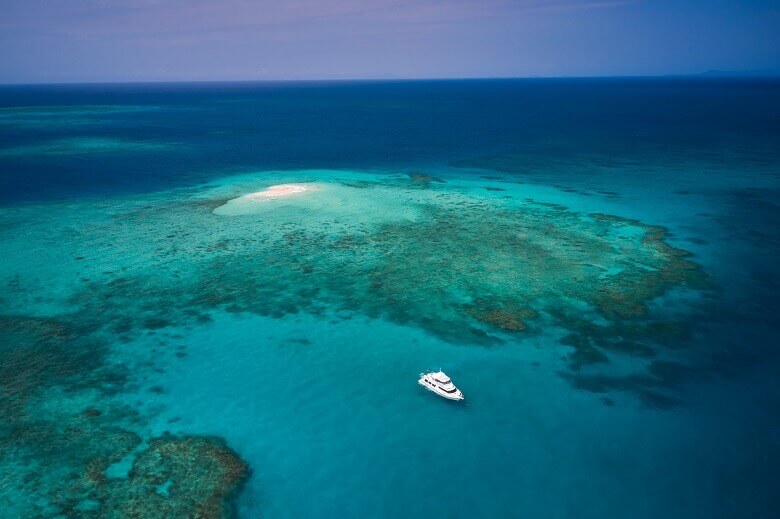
<point x="279" y="191"/>
<point x="253" y="202"/>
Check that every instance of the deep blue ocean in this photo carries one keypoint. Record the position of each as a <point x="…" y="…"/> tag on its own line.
<point x="593" y="261"/>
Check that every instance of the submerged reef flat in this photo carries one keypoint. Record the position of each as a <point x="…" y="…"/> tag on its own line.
<point x="83" y="145"/>
<point x="468" y="265"/>
<point x="474" y="267"/>
<point x="58" y="117"/>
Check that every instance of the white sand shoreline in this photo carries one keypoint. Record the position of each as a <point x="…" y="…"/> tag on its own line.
<point x="254" y="202"/>
<point x="279" y="190"/>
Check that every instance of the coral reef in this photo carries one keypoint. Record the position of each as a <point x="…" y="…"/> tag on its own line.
<point x="54" y="452"/>
<point x="175" y="477"/>
<point x="469" y="268"/>
<point x="507" y="317"/>
<point x="423" y="180"/>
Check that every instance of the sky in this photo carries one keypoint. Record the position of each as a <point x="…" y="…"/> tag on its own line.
<point x="212" y="40"/>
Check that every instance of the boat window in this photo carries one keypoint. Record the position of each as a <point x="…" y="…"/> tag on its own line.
<point x="449" y="390"/>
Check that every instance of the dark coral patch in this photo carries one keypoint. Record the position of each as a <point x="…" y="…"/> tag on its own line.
<point x="585" y="353"/>
<point x="41" y="352"/>
<point x="508" y="317"/>
<point x="61" y="455"/>
<point x="423" y="180"/>
<point x="186" y="476"/>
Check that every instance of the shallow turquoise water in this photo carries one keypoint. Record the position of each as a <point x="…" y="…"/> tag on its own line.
<point x="296" y="332"/>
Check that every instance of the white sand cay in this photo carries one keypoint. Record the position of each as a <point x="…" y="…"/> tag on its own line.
<point x="254" y="202"/>
<point x="279" y="191"/>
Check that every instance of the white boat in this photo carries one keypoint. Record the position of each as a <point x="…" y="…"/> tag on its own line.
<point x="440" y="384"/>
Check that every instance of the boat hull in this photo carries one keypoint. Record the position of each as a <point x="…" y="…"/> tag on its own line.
<point x="457" y="396"/>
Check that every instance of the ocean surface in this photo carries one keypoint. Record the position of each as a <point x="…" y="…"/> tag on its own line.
<point x="594" y="262"/>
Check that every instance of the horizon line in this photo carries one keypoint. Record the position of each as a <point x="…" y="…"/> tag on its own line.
<point x="710" y="74"/>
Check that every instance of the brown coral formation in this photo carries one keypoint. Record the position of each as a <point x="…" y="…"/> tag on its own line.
<point x="508" y="317"/>
<point x="423" y="180"/>
<point x="187" y="476"/>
